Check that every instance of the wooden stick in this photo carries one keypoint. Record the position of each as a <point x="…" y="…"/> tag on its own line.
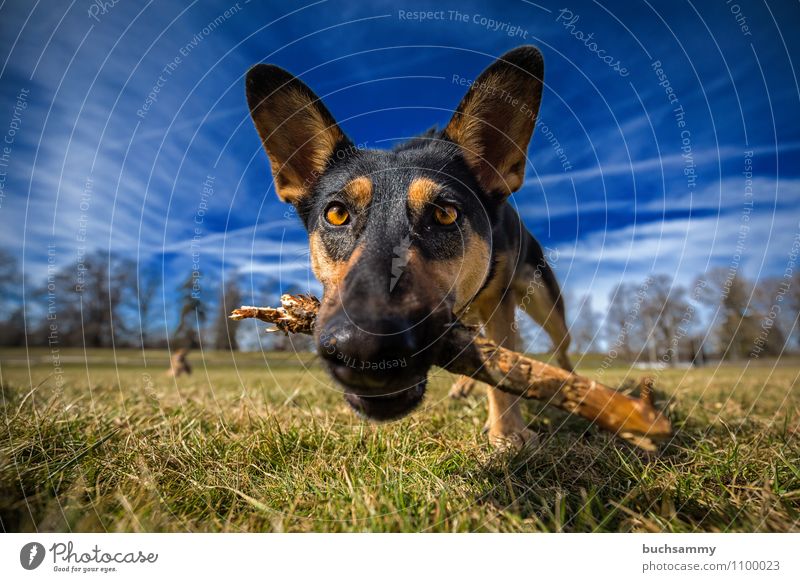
<point x="464" y="351"/>
<point x="297" y="314"/>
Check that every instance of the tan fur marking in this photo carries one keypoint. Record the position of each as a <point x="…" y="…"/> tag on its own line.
<point x="486" y="304"/>
<point x="421" y="192"/>
<point x="459" y="278"/>
<point x="360" y="191"/>
<point x="330" y="273"/>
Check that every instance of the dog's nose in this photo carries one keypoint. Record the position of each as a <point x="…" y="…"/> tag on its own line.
<point x="367" y="342"/>
<point x="372" y="357"/>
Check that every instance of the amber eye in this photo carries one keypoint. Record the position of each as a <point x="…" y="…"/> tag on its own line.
<point x="337" y="215"/>
<point x="445" y="214"/>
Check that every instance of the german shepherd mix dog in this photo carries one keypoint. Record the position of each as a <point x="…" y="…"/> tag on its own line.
<point x="406" y="241"/>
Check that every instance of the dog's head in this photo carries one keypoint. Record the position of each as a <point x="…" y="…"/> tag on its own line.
<point x="401" y="240"/>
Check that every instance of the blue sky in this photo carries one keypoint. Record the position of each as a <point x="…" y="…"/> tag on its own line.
<point x="616" y="204"/>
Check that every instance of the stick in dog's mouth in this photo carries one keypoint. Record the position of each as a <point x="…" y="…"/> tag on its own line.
<point x="463" y="351"/>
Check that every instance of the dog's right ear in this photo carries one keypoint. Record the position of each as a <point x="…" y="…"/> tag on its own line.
<point x="298" y="132"/>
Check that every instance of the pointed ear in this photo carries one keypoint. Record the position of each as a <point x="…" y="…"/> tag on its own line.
<point x="298" y="132"/>
<point x="495" y="119"/>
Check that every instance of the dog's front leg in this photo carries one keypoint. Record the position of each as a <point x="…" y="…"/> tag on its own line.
<point x="505" y="425"/>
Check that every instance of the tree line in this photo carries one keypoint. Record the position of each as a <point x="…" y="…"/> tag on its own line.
<point x="723" y="315"/>
<point x="104" y="302"/>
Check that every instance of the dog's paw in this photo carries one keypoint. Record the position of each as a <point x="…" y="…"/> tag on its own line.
<point x="462" y="387"/>
<point x="513" y="440"/>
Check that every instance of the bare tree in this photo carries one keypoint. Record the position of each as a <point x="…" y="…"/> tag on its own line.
<point x="107" y="280"/>
<point x="224" y="329"/>
<point x="143" y="298"/>
<point x="12" y="326"/>
<point x="787" y="294"/>
<point x="192" y="315"/>
<point x="734" y="322"/>
<point x="10" y="281"/>
<point x="775" y="320"/>
<point x="622" y="320"/>
<point x="86" y="302"/>
<point x="793" y="294"/>
<point x="585" y="325"/>
<point x="668" y="318"/>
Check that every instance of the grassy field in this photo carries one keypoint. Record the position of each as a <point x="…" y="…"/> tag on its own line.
<point x="263" y="443"/>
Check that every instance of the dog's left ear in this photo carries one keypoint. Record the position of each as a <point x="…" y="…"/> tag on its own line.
<point x="495" y="119"/>
<point x="299" y="133"/>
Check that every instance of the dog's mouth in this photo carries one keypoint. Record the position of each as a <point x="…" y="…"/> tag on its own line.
<point x="390" y="406"/>
<point x="380" y="396"/>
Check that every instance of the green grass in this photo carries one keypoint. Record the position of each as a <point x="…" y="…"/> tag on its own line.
<point x="245" y="446"/>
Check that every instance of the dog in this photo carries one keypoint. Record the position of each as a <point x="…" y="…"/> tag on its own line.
<point x="407" y="241"/>
<point x="179" y="363"/>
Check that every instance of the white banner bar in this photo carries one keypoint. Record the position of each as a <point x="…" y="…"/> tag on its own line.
<point x="388" y="557"/>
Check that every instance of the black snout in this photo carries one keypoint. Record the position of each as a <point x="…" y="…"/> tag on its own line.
<point x="376" y="357"/>
<point x="381" y="363"/>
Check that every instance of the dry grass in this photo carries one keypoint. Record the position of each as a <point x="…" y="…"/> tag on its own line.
<point x="251" y="448"/>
